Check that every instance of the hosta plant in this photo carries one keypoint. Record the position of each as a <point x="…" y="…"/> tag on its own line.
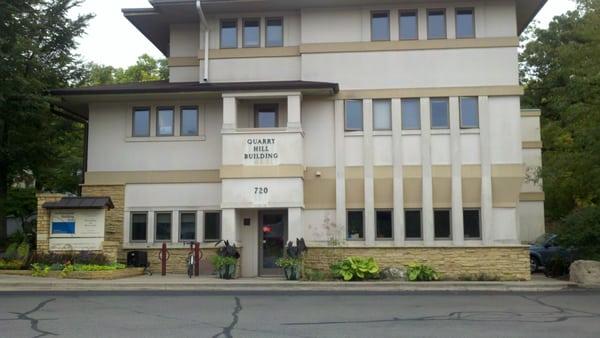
<point x="421" y="272"/>
<point x="355" y="268"/>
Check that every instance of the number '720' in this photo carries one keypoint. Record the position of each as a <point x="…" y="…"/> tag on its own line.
<point x="261" y="190"/>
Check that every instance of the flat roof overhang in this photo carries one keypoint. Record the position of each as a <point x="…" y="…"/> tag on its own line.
<point x="76" y="100"/>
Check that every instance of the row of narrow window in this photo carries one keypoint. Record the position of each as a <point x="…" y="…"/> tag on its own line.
<point x="163" y="226"/>
<point x="251" y="28"/>
<point x="411" y="114"/>
<point x="442" y="224"/>
<point x="165" y="121"/>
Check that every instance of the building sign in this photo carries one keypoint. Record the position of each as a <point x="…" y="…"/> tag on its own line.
<point x="261" y="151"/>
<point x="63" y="223"/>
<point x="76" y="230"/>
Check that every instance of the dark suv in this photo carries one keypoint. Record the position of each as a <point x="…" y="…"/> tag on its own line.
<point x="543" y="249"/>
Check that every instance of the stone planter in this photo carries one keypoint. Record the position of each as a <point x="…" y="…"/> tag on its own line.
<point x="227" y="272"/>
<point x="292" y="273"/>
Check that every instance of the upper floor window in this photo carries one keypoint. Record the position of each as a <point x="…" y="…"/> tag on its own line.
<point x="411" y="114"/>
<point x="469" y="112"/>
<point x="274" y="32"/>
<point x="229" y="33"/>
<point x="382" y="115"/>
<point x="440" y="118"/>
<point x="164" y="121"/>
<point x="380" y="26"/>
<point x="436" y="23"/>
<point x="251" y="36"/>
<point x="266" y="116"/>
<point x="354" y="115"/>
<point x="189" y="121"/>
<point x="465" y="23"/>
<point x="409" y="27"/>
<point x="141" y="122"/>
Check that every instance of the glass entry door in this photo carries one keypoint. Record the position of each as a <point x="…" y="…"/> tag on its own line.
<point x="272" y="237"/>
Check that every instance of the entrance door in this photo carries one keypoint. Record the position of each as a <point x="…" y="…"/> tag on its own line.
<point x="272" y="234"/>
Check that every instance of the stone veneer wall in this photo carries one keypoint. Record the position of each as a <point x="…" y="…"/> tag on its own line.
<point x="177" y="262"/>
<point x="43" y="221"/>
<point x="505" y="262"/>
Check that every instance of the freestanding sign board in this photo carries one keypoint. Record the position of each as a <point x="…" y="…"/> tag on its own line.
<point x="77" y="230"/>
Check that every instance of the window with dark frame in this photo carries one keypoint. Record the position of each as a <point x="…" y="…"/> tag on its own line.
<point x="383" y="224"/>
<point x="409" y="24"/>
<point x="380" y="26"/>
<point x="472" y="223"/>
<point x="465" y="23"/>
<point x="469" y="112"/>
<point x="411" y="114"/>
<point x="274" y="32"/>
<point x="189" y="121"/>
<point x="163" y="225"/>
<point x="141" y="122"/>
<point x="442" y="223"/>
<point x="212" y="226"/>
<point x="266" y="116"/>
<point x="251" y="33"/>
<point x="165" y="118"/>
<point x="139" y="227"/>
<point x="353" y="115"/>
<point x="436" y="24"/>
<point x="412" y="224"/>
<point x="187" y="226"/>
<point x="355" y="224"/>
<point x="382" y="115"/>
<point x="440" y="113"/>
<point x="228" y="34"/>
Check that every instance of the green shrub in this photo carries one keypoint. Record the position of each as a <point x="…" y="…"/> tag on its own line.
<point x="83" y="257"/>
<point x="355" y="268"/>
<point x="581" y="230"/>
<point x="11" y="264"/>
<point x="421" y="272"/>
<point x="220" y="261"/>
<point x="11" y="251"/>
<point x="67" y="270"/>
<point x="287" y="262"/>
<point x="92" y="267"/>
<point x="38" y="270"/>
<point x="23" y="251"/>
<point x="313" y="275"/>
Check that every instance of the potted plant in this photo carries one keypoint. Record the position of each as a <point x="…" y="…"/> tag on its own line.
<point x="292" y="262"/>
<point x="225" y="261"/>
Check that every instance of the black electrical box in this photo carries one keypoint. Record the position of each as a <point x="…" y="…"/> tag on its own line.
<point x="138" y="259"/>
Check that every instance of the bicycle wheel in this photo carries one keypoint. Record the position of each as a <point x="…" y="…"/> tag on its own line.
<point x="190" y="270"/>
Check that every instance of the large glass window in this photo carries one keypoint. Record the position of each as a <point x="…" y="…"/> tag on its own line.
<point x="465" y="23"/>
<point x="355" y="226"/>
<point x="187" y="226"/>
<point x="412" y="224"/>
<point x="274" y="32"/>
<point x="472" y="224"/>
<point x="440" y="115"/>
<point x="251" y="33"/>
<point x="163" y="226"/>
<point x="354" y="115"/>
<point x="141" y="122"/>
<point x="409" y="27"/>
<point x="436" y="24"/>
<point x="266" y="116"/>
<point x="382" y="115"/>
<point x="411" y="114"/>
<point x="441" y="223"/>
<point x="469" y="112"/>
<point x="229" y="33"/>
<point x="383" y="223"/>
<point x="139" y="227"/>
<point x="189" y="121"/>
<point x="164" y="121"/>
<point x="380" y="26"/>
<point x="212" y="226"/>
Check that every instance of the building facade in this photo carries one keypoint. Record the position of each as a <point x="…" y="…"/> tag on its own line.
<point x="383" y="128"/>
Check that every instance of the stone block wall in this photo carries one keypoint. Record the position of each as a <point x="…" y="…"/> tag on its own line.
<point x="177" y="262"/>
<point x="43" y="221"/>
<point x="504" y="262"/>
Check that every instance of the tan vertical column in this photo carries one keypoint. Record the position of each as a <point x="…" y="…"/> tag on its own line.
<point x="228" y="226"/>
<point x="200" y="226"/>
<point x="486" y="171"/>
<point x="340" y="169"/>
<point x="427" y="184"/>
<point x="456" y="160"/>
<point x="175" y="227"/>
<point x="398" y="175"/>
<point x="229" y="113"/>
<point x="368" y="171"/>
<point x="294" y="112"/>
<point x="151" y="227"/>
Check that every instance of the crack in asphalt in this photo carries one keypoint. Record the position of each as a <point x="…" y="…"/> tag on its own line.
<point x="32" y="321"/>
<point x="235" y="317"/>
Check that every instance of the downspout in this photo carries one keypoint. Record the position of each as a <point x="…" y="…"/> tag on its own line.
<point x="204" y="24"/>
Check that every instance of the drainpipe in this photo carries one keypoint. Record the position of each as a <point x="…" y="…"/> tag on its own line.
<point x="204" y="24"/>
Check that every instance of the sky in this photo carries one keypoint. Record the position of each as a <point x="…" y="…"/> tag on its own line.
<point x="112" y="40"/>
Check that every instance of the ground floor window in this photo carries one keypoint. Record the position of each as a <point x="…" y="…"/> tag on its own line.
<point x="355" y="224"/>
<point x="212" y="226"/>
<point x="441" y="221"/>
<point x="187" y="226"/>
<point x="472" y="223"/>
<point x="412" y="224"/>
<point x="139" y="227"/>
<point x="383" y="222"/>
<point x="163" y="226"/>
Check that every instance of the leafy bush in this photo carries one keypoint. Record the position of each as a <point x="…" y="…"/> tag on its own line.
<point x="67" y="270"/>
<point x="557" y="266"/>
<point x="23" y="251"/>
<point x="83" y="257"/>
<point x="421" y="272"/>
<point x="288" y="262"/>
<point x="581" y="230"/>
<point x="221" y="261"/>
<point x="93" y="267"/>
<point x="313" y="275"/>
<point x="38" y="270"/>
<point x="11" y="264"/>
<point x="355" y="268"/>
<point x="11" y="251"/>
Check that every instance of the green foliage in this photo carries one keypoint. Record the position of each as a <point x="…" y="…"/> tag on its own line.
<point x="287" y="262"/>
<point x="145" y="69"/>
<point x="557" y="266"/>
<point x="23" y="251"/>
<point x="313" y="275"/>
<point x="67" y="269"/>
<point x="11" y="251"/>
<point x="221" y="261"/>
<point x="95" y="267"/>
<point x="581" y="231"/>
<point x="21" y="203"/>
<point x="82" y="257"/>
<point x="11" y="264"/>
<point x="421" y="272"/>
<point x="38" y="270"/>
<point x="355" y="268"/>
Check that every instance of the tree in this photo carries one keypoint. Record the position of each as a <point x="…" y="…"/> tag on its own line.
<point x="37" y="39"/>
<point x="145" y="69"/>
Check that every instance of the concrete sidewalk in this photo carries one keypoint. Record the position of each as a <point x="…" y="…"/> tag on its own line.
<point x="209" y="283"/>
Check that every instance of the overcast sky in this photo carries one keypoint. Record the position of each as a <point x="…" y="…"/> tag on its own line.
<point x="112" y="40"/>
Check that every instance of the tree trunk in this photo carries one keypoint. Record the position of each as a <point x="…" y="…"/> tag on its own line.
<point x="3" y="179"/>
